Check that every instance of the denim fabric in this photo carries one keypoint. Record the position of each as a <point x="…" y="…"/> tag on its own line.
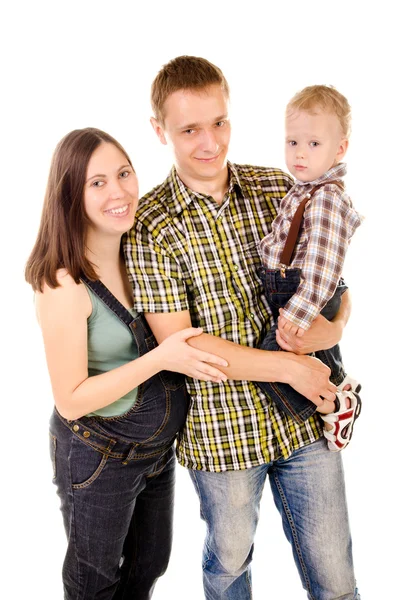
<point x="309" y="492"/>
<point x="278" y="291"/>
<point x="115" y="479"/>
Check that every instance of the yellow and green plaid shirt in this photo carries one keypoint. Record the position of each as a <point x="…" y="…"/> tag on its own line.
<point x="186" y="252"/>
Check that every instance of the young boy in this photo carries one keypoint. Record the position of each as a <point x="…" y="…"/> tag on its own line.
<point x="305" y="279"/>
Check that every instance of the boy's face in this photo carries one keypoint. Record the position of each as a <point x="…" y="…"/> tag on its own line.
<point x="196" y="126"/>
<point x="314" y="143"/>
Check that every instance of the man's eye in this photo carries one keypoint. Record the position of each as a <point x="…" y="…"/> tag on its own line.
<point x="189" y="131"/>
<point x="220" y="123"/>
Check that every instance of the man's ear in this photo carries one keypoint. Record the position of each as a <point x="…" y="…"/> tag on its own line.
<point x="158" y="129"/>
<point x="344" y="144"/>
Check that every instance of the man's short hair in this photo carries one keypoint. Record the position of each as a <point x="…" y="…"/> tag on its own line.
<point x="325" y="97"/>
<point x="184" y="73"/>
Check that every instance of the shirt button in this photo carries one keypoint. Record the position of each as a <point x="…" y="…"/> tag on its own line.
<point x="76" y="428"/>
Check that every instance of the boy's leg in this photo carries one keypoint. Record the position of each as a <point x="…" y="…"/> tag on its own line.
<point x="333" y="357"/>
<point x="278" y="291"/>
<point x="229" y="504"/>
<point x="309" y="492"/>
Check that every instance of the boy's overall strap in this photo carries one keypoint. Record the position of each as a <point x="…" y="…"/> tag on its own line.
<point x="104" y="294"/>
<point x="287" y="252"/>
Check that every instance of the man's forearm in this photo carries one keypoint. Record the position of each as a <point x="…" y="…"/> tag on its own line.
<point x="245" y="363"/>
<point x="307" y="375"/>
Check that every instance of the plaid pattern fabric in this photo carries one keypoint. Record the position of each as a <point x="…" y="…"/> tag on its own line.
<point x="329" y="222"/>
<point x="188" y="253"/>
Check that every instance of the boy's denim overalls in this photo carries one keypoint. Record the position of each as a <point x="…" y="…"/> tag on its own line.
<point x="115" y="478"/>
<point x="278" y="291"/>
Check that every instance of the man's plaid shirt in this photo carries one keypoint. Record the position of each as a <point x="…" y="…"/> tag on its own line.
<point x="186" y="252"/>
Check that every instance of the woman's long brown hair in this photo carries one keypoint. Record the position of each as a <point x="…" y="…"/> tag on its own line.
<point x="60" y="242"/>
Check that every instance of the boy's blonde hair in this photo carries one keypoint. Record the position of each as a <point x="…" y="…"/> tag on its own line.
<point x="328" y="99"/>
<point x="184" y="73"/>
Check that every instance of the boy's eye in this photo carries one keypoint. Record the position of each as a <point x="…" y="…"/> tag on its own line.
<point x="292" y="143"/>
<point x="314" y="144"/>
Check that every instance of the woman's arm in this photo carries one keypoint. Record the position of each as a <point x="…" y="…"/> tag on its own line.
<point x="62" y="314"/>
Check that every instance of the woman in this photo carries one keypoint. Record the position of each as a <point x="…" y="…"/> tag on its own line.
<point x="118" y="400"/>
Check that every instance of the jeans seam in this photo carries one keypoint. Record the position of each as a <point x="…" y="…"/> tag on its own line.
<point x="294" y="534"/>
<point x="196" y="485"/>
<point x="92" y="478"/>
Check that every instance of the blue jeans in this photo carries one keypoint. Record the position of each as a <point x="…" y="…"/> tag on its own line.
<point x="308" y="490"/>
<point x="278" y="291"/>
<point x="115" y="479"/>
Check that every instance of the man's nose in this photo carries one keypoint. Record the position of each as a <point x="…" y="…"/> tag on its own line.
<point x="209" y="142"/>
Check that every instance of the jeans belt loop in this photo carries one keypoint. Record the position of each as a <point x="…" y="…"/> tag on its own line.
<point x="131" y="454"/>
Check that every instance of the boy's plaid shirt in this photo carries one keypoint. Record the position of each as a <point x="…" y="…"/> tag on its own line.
<point x="186" y="252"/>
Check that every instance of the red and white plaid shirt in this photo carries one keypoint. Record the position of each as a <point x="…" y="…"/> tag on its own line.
<point x="329" y="222"/>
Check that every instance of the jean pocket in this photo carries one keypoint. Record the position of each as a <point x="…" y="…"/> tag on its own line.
<point x="86" y="464"/>
<point x="53" y="449"/>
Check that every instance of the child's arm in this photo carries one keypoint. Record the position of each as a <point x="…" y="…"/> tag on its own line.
<point x="323" y="334"/>
<point x="288" y="327"/>
<point x="328" y="224"/>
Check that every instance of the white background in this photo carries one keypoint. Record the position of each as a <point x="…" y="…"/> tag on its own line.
<point x="67" y="65"/>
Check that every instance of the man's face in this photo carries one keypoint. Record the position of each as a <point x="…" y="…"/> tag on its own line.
<point x="314" y="143"/>
<point x="197" y="128"/>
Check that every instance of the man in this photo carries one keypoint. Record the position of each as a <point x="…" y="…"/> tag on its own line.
<point x="193" y="257"/>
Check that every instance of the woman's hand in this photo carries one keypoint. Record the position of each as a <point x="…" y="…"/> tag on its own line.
<point x="176" y="355"/>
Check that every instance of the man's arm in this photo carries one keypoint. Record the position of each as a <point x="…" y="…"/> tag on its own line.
<point x="323" y="334"/>
<point x="307" y="375"/>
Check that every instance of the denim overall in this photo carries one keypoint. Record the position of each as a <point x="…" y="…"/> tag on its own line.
<point x="279" y="286"/>
<point x="115" y="479"/>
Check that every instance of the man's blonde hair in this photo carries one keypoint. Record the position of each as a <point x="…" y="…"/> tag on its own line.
<point x="325" y="97"/>
<point x="184" y="73"/>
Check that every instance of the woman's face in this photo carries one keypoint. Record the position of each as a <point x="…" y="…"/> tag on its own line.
<point x="110" y="191"/>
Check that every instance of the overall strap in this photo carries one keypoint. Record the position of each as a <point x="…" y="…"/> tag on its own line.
<point x="287" y="252"/>
<point x="104" y="294"/>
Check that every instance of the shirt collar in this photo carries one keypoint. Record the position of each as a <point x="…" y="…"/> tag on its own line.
<point x="336" y="172"/>
<point x="179" y="196"/>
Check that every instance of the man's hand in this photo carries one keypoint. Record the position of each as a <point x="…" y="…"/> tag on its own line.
<point x="310" y="377"/>
<point x="322" y="334"/>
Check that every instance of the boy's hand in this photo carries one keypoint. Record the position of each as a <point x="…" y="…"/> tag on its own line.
<point x="287" y="327"/>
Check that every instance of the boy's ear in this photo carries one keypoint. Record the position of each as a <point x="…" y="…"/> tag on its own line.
<point x="344" y="144"/>
<point x="158" y="129"/>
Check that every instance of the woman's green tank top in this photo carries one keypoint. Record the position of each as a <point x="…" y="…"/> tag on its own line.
<point x="110" y="345"/>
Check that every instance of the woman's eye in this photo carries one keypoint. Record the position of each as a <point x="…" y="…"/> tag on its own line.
<point x="124" y="174"/>
<point x="98" y="183"/>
